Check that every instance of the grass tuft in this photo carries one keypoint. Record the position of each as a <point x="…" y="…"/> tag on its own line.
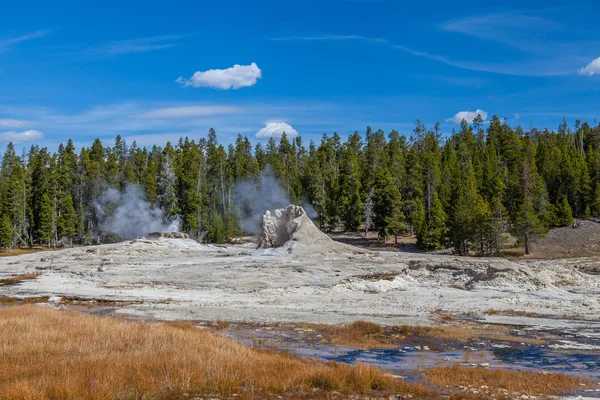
<point x="504" y="382"/>
<point x="13" y="280"/>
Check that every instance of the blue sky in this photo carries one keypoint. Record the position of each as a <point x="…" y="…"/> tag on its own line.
<point x="154" y="71"/>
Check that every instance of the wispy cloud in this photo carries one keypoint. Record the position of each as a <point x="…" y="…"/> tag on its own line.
<point x="10" y="123"/>
<point x="541" y="51"/>
<point x="21" y="137"/>
<point x="149" y="122"/>
<point x="541" y="44"/>
<point x="134" y="119"/>
<point x="369" y="40"/>
<point x="521" y="31"/>
<point x="464" y="81"/>
<point x="329" y="37"/>
<point x="140" y="45"/>
<point x="188" y="112"/>
<point x="8" y="42"/>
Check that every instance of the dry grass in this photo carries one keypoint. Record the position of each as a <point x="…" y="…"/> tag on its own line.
<point x="513" y="253"/>
<point x="361" y="334"/>
<point x="513" y="313"/>
<point x="358" y="334"/>
<point x="565" y="283"/>
<point x="91" y="303"/>
<point x="219" y="325"/>
<point x="15" y="300"/>
<point x="13" y="280"/>
<point x="379" y="277"/>
<point x="472" y="331"/>
<point x="46" y="353"/>
<point x="25" y="250"/>
<point x="502" y="381"/>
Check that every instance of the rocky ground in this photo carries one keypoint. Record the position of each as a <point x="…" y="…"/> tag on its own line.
<point x="317" y="282"/>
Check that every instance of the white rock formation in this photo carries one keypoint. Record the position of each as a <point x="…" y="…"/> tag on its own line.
<point x="290" y="223"/>
<point x="290" y="231"/>
<point x="169" y="235"/>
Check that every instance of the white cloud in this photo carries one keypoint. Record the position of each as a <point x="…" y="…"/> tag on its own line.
<point x="188" y="112"/>
<point x="21" y="137"/>
<point x="591" y="69"/>
<point x="236" y="77"/>
<point x="9" y="123"/>
<point x="468" y="116"/>
<point x="275" y="129"/>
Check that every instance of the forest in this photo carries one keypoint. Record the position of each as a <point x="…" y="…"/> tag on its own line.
<point x="467" y="190"/>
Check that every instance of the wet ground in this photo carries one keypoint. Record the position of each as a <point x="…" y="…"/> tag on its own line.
<point x="573" y="353"/>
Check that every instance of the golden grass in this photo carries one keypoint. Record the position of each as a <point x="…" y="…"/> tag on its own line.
<point x="49" y="354"/>
<point x="565" y="283"/>
<point x="472" y="331"/>
<point x="361" y="334"/>
<point x="524" y="383"/>
<point x="15" y="300"/>
<point x="91" y="303"/>
<point x="379" y="277"/>
<point x="357" y="334"/>
<point x="513" y="313"/>
<point x="25" y="250"/>
<point x="13" y="280"/>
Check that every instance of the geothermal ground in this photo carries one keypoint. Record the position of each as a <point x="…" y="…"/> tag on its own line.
<point x="554" y="304"/>
<point x="181" y="279"/>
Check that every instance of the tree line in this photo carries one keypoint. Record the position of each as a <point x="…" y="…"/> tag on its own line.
<point x="466" y="190"/>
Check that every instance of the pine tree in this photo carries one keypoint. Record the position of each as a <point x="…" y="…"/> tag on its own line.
<point x="6" y="232"/>
<point x="368" y="212"/>
<point x="167" y="188"/>
<point x="527" y="227"/>
<point x="466" y="192"/>
<point x="46" y="226"/>
<point x="469" y="209"/>
<point x="431" y="230"/>
<point x="387" y="206"/>
<point x="216" y="229"/>
<point x="351" y="189"/>
<point x="67" y="221"/>
<point x="564" y="215"/>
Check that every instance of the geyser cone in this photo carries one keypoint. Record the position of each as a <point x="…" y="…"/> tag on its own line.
<point x="288" y="224"/>
<point x="292" y="231"/>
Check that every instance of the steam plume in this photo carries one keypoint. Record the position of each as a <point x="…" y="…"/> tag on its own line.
<point x="128" y="215"/>
<point x="255" y="197"/>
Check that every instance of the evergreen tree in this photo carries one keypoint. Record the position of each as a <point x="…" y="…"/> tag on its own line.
<point x="564" y="215"/>
<point x="46" y="227"/>
<point x="527" y="227"/>
<point x="387" y="206"/>
<point x="6" y="232"/>
<point x="167" y="187"/>
<point x="67" y="221"/>
<point x="466" y="192"/>
<point x="431" y="229"/>
<point x="351" y="189"/>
